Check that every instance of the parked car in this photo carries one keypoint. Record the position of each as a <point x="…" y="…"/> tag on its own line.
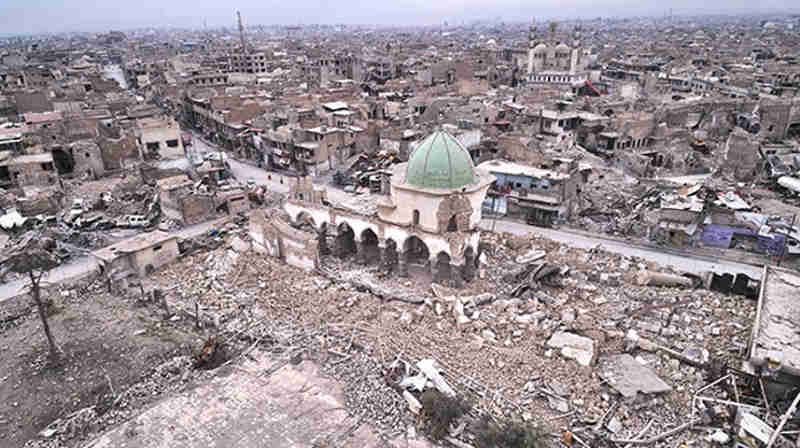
<point x="133" y="221"/>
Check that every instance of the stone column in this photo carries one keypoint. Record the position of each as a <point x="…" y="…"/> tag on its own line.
<point x="434" y="269"/>
<point x="383" y="257"/>
<point x="322" y="241"/>
<point x="467" y="271"/>
<point x="456" y="276"/>
<point x="333" y="246"/>
<point x="402" y="264"/>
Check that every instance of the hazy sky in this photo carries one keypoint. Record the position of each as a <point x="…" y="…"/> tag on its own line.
<point x="35" y="16"/>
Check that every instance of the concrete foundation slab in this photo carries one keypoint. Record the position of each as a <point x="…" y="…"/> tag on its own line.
<point x="246" y="405"/>
<point x="629" y="377"/>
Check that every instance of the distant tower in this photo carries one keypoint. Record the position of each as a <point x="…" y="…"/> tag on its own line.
<point x="575" y="54"/>
<point x="241" y="32"/>
<point x="532" y="41"/>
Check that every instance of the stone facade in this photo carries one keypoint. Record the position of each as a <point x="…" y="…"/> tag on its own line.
<point x="273" y="237"/>
<point x="139" y="255"/>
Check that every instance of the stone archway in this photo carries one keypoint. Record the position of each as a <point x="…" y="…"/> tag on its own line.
<point x="440" y="270"/>
<point x="345" y="244"/>
<point x="454" y="214"/>
<point x="793" y="131"/>
<point x="368" y="252"/>
<point x="63" y="161"/>
<point x="415" y="257"/>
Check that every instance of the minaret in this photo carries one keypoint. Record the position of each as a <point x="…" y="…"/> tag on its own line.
<point x="575" y="55"/>
<point x="241" y="32"/>
<point x="531" y="45"/>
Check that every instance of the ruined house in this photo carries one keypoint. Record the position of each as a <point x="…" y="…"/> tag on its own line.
<point x="159" y="138"/>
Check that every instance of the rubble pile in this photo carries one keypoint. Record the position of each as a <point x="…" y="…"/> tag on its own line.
<point x="584" y="320"/>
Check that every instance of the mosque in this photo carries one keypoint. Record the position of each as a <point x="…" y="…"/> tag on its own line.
<point x="553" y="62"/>
<point x="425" y="222"/>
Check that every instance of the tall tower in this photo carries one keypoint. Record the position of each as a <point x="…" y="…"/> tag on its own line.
<point x="241" y="32"/>
<point x="575" y="54"/>
<point x="531" y="45"/>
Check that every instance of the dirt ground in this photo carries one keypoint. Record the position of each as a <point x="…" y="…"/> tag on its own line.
<point x="108" y="343"/>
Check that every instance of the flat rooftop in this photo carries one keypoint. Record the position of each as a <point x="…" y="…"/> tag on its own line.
<point x="506" y="167"/>
<point x="28" y="158"/>
<point x="135" y="244"/>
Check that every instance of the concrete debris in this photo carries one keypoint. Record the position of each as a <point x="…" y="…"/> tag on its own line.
<point x="416" y="382"/>
<point x="614" y="425"/>
<point x="413" y="404"/>
<point x="428" y="373"/>
<point x="238" y="245"/>
<point x="531" y="256"/>
<point x="558" y="404"/>
<point x="648" y="278"/>
<point x="698" y="355"/>
<point x="572" y="346"/>
<point x="458" y="313"/>
<point x="429" y="368"/>
<point x="750" y="425"/>
<point x="629" y="377"/>
<point x="720" y="437"/>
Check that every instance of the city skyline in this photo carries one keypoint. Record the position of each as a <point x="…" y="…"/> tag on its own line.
<point x="20" y="18"/>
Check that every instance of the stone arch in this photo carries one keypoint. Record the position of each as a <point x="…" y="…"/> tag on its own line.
<point x="793" y="130"/>
<point x="345" y="240"/>
<point x="369" y="250"/>
<point x="416" y="251"/>
<point x="452" y="224"/>
<point x="455" y="208"/>
<point x="442" y="271"/>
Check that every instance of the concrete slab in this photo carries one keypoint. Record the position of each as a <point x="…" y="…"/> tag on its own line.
<point x="629" y="377"/>
<point x="572" y="346"/>
<point x="245" y="405"/>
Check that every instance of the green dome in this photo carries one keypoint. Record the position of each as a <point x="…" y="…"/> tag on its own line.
<point x="440" y="162"/>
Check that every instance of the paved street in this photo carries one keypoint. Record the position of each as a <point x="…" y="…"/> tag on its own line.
<point x="81" y="266"/>
<point x="682" y="261"/>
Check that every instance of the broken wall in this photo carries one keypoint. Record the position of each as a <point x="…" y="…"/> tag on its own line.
<point x="197" y="208"/>
<point x="276" y="238"/>
<point x="43" y="204"/>
<point x="88" y="159"/>
<point x="114" y="151"/>
<point x="775" y="120"/>
<point x="151" y="258"/>
<point x="741" y="155"/>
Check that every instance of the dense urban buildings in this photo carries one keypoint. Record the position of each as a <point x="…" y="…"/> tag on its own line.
<point x="580" y="232"/>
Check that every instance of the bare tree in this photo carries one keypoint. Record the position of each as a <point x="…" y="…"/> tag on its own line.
<point x="33" y="256"/>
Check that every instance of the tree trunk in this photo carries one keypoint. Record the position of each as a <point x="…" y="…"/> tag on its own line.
<point x="35" y="292"/>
